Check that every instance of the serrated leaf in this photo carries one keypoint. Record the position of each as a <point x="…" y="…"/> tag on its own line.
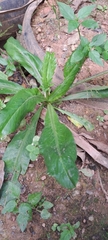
<point x="16" y="109"/>
<point x="47" y="205"/>
<point x="16" y="156"/>
<point x="24" y="216"/>
<point x="29" y="61"/>
<point x="77" y="120"/>
<point x="48" y="68"/>
<point x="59" y="150"/>
<point x="9" y="207"/>
<point x="72" y="25"/>
<point x="66" y="11"/>
<point x="45" y="214"/>
<point x="3" y="76"/>
<point x="98" y="40"/>
<point x="22" y="221"/>
<point x="8" y="87"/>
<point x="85" y="11"/>
<point x="34" y="198"/>
<point x="90" y="23"/>
<point x="95" y="57"/>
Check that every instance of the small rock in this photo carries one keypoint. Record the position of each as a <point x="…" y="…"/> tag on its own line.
<point x="100" y="124"/>
<point x="65" y="47"/>
<point x="106" y="123"/>
<point x="39" y="30"/>
<point x="48" y="49"/>
<point x="75" y="193"/>
<point x="105" y="118"/>
<point x="105" y="126"/>
<point x="73" y="39"/>
<point x="91" y="218"/>
<point x="43" y="178"/>
<point x="33" y="83"/>
<point x="31" y="165"/>
<point x="43" y="225"/>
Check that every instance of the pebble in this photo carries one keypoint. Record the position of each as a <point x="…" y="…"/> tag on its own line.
<point x="43" y="178"/>
<point x="106" y="123"/>
<point x="104" y="126"/>
<point x="43" y="225"/>
<point x="75" y="193"/>
<point x="91" y="218"/>
<point x="65" y="47"/>
<point x="105" y="118"/>
<point x="73" y="39"/>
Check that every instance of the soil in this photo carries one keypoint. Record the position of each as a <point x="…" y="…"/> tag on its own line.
<point x="87" y="203"/>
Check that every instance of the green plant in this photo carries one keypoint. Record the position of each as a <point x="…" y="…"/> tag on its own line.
<point x="9" y="64"/>
<point x="67" y="231"/>
<point x="56" y="143"/>
<point x="24" y="210"/>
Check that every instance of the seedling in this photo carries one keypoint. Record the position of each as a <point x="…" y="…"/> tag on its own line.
<point x="67" y="231"/>
<point x="24" y="210"/>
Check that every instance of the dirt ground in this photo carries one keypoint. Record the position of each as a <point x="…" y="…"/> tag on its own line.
<point x="87" y="203"/>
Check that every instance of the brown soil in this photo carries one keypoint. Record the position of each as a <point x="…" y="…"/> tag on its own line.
<point x="87" y="202"/>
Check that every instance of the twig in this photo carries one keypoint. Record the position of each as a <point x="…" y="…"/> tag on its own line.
<point x="101" y="184"/>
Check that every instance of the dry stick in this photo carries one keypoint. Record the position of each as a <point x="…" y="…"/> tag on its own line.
<point x="97" y="156"/>
<point x="101" y="184"/>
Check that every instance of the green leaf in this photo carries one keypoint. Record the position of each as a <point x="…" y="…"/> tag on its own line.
<point x="34" y="198"/>
<point x="90" y="23"/>
<point x="47" y="205"/>
<point x="95" y="57"/>
<point x="77" y="56"/>
<point x="66" y="11"/>
<point x="24" y="216"/>
<point x="3" y="61"/>
<point x="105" y="55"/>
<point x="72" y="25"/>
<point x="84" y="41"/>
<point x="65" y="235"/>
<point x="70" y="71"/>
<point x="8" y="87"/>
<point x="3" y="76"/>
<point x="9" y="191"/>
<point x="16" y="156"/>
<point x="77" y="120"/>
<point x="45" y="214"/>
<point x="29" y="61"/>
<point x="98" y="40"/>
<point x="85" y="11"/>
<point x="96" y="92"/>
<point x="48" y="68"/>
<point x="9" y="207"/>
<point x="106" y="45"/>
<point x="59" y="150"/>
<point x="76" y="225"/>
<point x="16" y="109"/>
